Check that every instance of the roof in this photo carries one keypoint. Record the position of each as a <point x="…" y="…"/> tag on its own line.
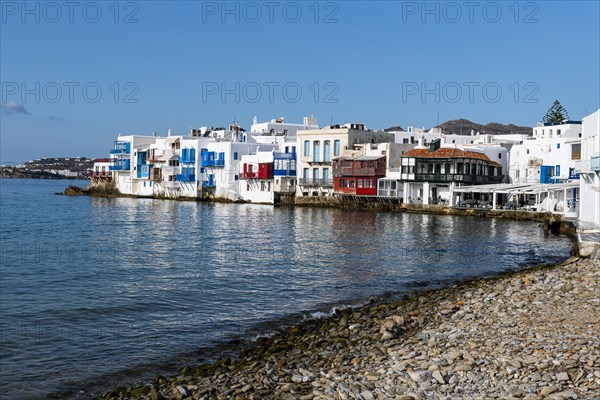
<point x="516" y="187"/>
<point x="448" y="152"/>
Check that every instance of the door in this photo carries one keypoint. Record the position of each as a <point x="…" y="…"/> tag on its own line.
<point x="326" y="152"/>
<point x="325" y="175"/>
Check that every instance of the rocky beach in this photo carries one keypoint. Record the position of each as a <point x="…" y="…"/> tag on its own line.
<point x="529" y="334"/>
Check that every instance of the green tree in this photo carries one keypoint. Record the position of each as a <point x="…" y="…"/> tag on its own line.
<point x="555" y="114"/>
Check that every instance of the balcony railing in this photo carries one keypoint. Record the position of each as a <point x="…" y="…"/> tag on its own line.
<point x="185" y="178"/>
<point x="284" y="172"/>
<point x="349" y="171"/>
<point x="315" y="182"/>
<point x="466" y="178"/>
<point x="100" y="174"/>
<point x="218" y="162"/>
<point x="121" y="148"/>
<point x="283" y="156"/>
<point x="120" y="165"/>
<point x="249" y="175"/>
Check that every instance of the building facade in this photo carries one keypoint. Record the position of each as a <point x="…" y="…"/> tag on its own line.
<point x="317" y="148"/>
<point x="589" y="182"/>
<point x="430" y="174"/>
<point x="551" y="155"/>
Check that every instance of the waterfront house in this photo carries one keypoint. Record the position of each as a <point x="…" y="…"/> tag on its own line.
<point x="100" y="171"/>
<point x="590" y="169"/>
<point x="551" y="155"/>
<point x="318" y="147"/>
<point x="430" y="173"/>
<point x="358" y="175"/>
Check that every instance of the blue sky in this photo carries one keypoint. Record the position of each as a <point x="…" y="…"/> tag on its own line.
<point x="73" y="78"/>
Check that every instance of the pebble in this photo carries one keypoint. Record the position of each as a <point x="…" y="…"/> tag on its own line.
<point x="531" y="334"/>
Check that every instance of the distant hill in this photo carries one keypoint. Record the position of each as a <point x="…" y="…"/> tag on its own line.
<point x="464" y="126"/>
<point x="397" y="128"/>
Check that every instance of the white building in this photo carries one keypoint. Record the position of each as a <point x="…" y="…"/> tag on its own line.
<point x="100" y="171"/>
<point x="551" y="155"/>
<point x="589" y="210"/>
<point x="278" y="127"/>
<point x="202" y="164"/>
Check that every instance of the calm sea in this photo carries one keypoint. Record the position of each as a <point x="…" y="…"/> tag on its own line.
<point x="96" y="293"/>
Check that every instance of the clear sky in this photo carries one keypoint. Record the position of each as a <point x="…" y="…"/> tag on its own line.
<point x="75" y="75"/>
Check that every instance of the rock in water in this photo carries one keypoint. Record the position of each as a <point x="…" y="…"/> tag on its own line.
<point x="73" y="190"/>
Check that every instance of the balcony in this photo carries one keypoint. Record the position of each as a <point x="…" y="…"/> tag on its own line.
<point x="99" y="174"/>
<point x="249" y="175"/>
<point x="120" y="165"/>
<point x="121" y="148"/>
<point x="211" y="159"/>
<point x="188" y="156"/>
<point x="315" y="182"/>
<point x="350" y="171"/>
<point x="143" y="171"/>
<point x="156" y="175"/>
<point x="284" y="172"/>
<point x="185" y="178"/>
<point x="464" y="178"/>
<point x="283" y="156"/>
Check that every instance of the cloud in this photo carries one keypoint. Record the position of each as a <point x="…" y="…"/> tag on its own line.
<point x="54" y="118"/>
<point x="10" y="108"/>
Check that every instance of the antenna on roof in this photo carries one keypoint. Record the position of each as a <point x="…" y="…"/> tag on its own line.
<point x="331" y="123"/>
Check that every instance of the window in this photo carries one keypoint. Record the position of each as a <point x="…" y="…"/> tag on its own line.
<point x="306" y="148"/>
<point x="558" y="132"/>
<point x="316" y="151"/>
<point x="336" y="148"/>
<point x="235" y="155"/>
<point x="342" y="183"/>
<point x="305" y="173"/>
<point x="327" y="151"/>
<point x="558" y="145"/>
<point x="262" y="186"/>
<point x="576" y="151"/>
<point x="268" y="186"/>
<point x="326" y="175"/>
<point x="499" y="156"/>
<point x="360" y="183"/>
<point x="405" y="141"/>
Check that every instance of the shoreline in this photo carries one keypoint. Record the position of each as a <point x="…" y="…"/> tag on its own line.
<point x="306" y="359"/>
<point x="270" y="359"/>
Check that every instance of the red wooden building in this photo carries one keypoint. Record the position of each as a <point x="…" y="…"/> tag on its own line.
<point x="264" y="171"/>
<point x="358" y="176"/>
